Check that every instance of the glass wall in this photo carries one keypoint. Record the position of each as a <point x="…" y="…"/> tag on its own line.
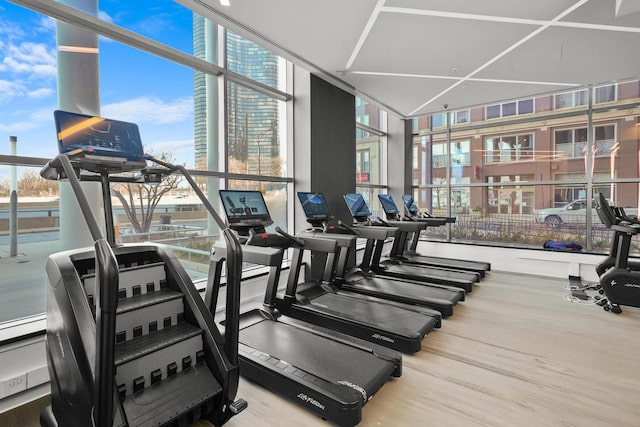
<point x="229" y="133"/>
<point x="522" y="181"/>
<point x="371" y="125"/>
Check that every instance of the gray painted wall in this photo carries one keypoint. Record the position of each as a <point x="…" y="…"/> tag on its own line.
<point x="325" y="143"/>
<point x="333" y="144"/>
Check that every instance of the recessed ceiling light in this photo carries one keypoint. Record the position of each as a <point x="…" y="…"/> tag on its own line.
<point x="225" y="3"/>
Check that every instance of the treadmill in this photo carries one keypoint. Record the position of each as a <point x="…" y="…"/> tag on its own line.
<point x="398" y="326"/>
<point x="327" y="372"/>
<point x="413" y="213"/>
<point x="355" y="279"/>
<point x="396" y="268"/>
<point x="405" y="249"/>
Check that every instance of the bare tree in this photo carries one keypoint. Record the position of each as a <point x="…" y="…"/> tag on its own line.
<point x="4" y="188"/>
<point x="139" y="201"/>
<point x="32" y="184"/>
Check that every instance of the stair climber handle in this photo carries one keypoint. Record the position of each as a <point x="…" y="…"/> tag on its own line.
<point x="107" y="281"/>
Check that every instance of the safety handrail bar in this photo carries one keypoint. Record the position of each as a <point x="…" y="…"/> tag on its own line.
<point x="107" y="295"/>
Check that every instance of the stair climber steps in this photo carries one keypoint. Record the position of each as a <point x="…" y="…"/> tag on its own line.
<point x="158" y="350"/>
<point x="185" y="395"/>
<point x="146" y="313"/>
<point x="161" y="376"/>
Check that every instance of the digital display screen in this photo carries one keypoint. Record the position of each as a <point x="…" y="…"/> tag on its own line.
<point x="314" y="205"/>
<point x="100" y="136"/>
<point x="408" y="202"/>
<point x="245" y="207"/>
<point x="357" y="206"/>
<point x="388" y="205"/>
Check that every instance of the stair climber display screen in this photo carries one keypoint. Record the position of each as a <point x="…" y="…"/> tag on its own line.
<point x="98" y="135"/>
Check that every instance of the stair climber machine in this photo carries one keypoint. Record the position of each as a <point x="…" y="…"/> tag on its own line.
<point x="620" y="281"/>
<point x="130" y="341"/>
<point x="327" y="372"/>
<point x="360" y="280"/>
<point x="405" y="249"/>
<point x="396" y="268"/>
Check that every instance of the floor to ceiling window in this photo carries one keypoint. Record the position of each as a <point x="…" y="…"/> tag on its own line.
<point x="371" y="145"/>
<point x="222" y="114"/>
<point x="521" y="172"/>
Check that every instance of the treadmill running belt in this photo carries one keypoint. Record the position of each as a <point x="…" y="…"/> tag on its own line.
<point x="317" y="355"/>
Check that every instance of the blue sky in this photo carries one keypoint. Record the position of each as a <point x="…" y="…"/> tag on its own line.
<point x="134" y="86"/>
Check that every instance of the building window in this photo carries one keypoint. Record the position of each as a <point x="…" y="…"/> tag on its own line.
<point x="362" y="165"/>
<point x="580" y="97"/>
<point x="455" y="118"/>
<point x="572" y="142"/>
<point x="511" y="148"/>
<point x="508" y="109"/>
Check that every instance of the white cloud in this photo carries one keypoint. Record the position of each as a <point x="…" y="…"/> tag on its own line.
<point x="181" y="149"/>
<point x="105" y="16"/>
<point x="47" y="25"/>
<point x="9" y="90"/>
<point x="34" y="59"/>
<point x="10" y="30"/>
<point x="21" y="126"/>
<point x="40" y="93"/>
<point x="150" y="110"/>
<point x="24" y="121"/>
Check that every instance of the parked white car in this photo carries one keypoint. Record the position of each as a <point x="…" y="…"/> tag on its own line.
<point x="572" y="213"/>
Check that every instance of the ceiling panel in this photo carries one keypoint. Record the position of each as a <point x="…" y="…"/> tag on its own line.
<point x="538" y="9"/>
<point x="603" y="12"/>
<point x="407" y="92"/>
<point x="324" y="33"/>
<point x="571" y="55"/>
<point x="429" y="45"/>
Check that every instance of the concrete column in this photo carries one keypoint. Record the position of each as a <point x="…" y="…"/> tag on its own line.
<point x="78" y="91"/>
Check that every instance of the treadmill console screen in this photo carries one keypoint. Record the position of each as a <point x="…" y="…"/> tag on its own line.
<point x="409" y="204"/>
<point x="98" y="136"/>
<point x="388" y="205"/>
<point x="314" y="205"/>
<point x="357" y="206"/>
<point x="245" y="208"/>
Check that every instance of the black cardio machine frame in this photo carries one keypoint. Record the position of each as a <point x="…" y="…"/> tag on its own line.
<point x="83" y="383"/>
<point x="360" y="279"/>
<point x="405" y="250"/>
<point x="325" y="371"/>
<point x="396" y="268"/>
<point x="619" y="276"/>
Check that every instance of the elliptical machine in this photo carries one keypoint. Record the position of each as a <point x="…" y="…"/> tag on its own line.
<point x="619" y="279"/>
<point x="130" y="341"/>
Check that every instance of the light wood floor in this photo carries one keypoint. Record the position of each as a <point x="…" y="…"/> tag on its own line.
<point x="516" y="353"/>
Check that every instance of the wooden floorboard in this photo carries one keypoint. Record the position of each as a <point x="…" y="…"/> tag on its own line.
<point x="515" y="353"/>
